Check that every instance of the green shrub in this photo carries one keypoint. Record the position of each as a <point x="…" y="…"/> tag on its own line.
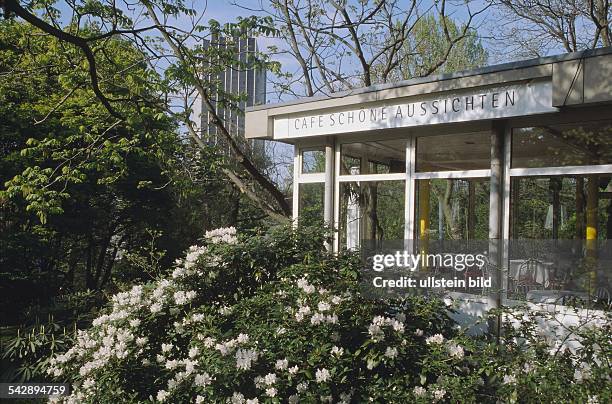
<point x="273" y="318"/>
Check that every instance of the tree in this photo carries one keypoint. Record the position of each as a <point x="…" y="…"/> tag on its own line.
<point x="80" y="187"/>
<point x="422" y="52"/>
<point x="340" y="45"/>
<point x="183" y="61"/>
<point x="537" y="27"/>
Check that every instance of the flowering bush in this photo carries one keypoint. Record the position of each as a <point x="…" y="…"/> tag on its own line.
<point x="273" y="318"/>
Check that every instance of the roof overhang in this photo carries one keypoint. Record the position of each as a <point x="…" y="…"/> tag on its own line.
<point x="524" y="88"/>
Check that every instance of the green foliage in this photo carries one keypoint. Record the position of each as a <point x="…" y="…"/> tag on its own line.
<point x="429" y="44"/>
<point x="273" y="316"/>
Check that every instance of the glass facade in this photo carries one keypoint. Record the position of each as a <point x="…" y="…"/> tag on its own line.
<point x="554" y="201"/>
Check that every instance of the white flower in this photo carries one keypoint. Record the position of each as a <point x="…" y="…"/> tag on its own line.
<point x="282" y="364"/>
<point x="294" y="399"/>
<point x="271" y="392"/>
<point x="337" y="351"/>
<point x="391" y="352"/>
<point x="237" y="398"/>
<point x="182" y="297"/>
<point x="193" y="352"/>
<point x="418" y="332"/>
<point x="434" y="339"/>
<point x="509" y="379"/>
<point x="455" y="350"/>
<point x="166" y="347"/>
<point x="242" y="338"/>
<point x="293" y="370"/>
<point x="199" y="399"/>
<point x="301" y="387"/>
<point x="303" y="284"/>
<point x="322" y="375"/>
<point x="203" y="380"/>
<point x="88" y="383"/>
<point x="162" y="395"/>
<point x="134" y="323"/>
<point x="156" y="307"/>
<point x="438" y="394"/>
<point x="376" y="332"/>
<point x="252" y="401"/>
<point x="189" y="366"/>
<point x="245" y="357"/>
<point x="270" y="379"/>
<point x="336" y="300"/>
<point x="171" y="364"/>
<point x="317" y="318"/>
<point x="419" y="391"/>
<point x="323" y="306"/>
<point x="209" y="342"/>
<point x="332" y="319"/>
<point x="593" y="400"/>
<point x="225" y="310"/>
<point x="141" y="341"/>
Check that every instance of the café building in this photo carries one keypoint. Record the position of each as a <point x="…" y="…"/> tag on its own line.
<point x="517" y="151"/>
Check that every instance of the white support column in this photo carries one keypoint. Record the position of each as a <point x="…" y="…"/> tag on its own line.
<point x="336" y="190"/>
<point x="328" y="204"/>
<point x="410" y="192"/>
<point x="297" y="169"/>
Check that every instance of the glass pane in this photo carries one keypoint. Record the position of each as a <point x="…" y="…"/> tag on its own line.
<point x="382" y="157"/>
<point x="372" y="210"/>
<point x="555" y="207"/>
<point x="562" y="145"/>
<point x="311" y="200"/>
<point x="457" y="152"/>
<point x="560" y="252"/>
<point x="313" y="161"/>
<point x="452" y="209"/>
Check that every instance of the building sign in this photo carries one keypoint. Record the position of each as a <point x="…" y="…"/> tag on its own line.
<point x="461" y="106"/>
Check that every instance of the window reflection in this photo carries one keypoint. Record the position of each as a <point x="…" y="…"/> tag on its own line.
<point x="372" y="210"/>
<point x="311" y="200"/>
<point x="382" y="157"/>
<point x="452" y="209"/>
<point x="313" y="161"/>
<point x="562" y="145"/>
<point x="560" y="250"/>
<point x="456" y="152"/>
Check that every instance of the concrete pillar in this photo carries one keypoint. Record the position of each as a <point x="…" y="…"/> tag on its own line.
<point x="495" y="218"/>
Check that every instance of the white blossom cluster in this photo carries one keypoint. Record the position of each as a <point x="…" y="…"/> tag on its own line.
<point x="116" y="335"/>
<point x="376" y="328"/>
<point x="225" y="235"/>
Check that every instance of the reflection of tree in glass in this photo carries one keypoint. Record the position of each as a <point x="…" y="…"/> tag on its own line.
<point x="556" y="146"/>
<point x="459" y="209"/>
<point x="555" y="207"/>
<point x="381" y="209"/>
<point x="311" y="204"/>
